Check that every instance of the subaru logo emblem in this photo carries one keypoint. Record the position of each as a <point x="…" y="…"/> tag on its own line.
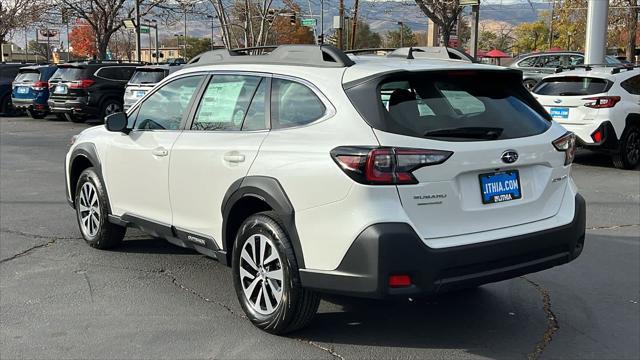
<point x="557" y="101"/>
<point x="509" y="157"/>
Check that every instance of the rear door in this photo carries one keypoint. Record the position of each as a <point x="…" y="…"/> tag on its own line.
<point x="228" y="127"/>
<point x="503" y="166"/>
<point x="22" y="84"/>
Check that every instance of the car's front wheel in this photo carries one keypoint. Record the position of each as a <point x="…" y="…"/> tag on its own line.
<point x="628" y="154"/>
<point x="92" y="213"/>
<point x="266" y="279"/>
<point x="110" y="106"/>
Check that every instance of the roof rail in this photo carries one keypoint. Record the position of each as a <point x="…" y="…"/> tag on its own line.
<point x="305" y="55"/>
<point x="366" y="50"/>
<point x="615" y="68"/>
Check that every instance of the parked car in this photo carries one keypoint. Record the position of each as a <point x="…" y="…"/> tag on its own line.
<point x="89" y="89"/>
<point x="8" y="72"/>
<point x="143" y="80"/>
<point x="31" y="89"/>
<point x="289" y="168"/>
<point x="535" y="66"/>
<point x="601" y="105"/>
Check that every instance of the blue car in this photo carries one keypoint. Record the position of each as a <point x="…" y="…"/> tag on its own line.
<point x="31" y="89"/>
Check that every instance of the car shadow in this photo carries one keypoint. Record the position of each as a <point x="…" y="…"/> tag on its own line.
<point x="592" y="158"/>
<point x="146" y="244"/>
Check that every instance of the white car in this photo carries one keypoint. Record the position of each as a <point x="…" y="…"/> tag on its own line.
<point x="298" y="171"/>
<point x="601" y="105"/>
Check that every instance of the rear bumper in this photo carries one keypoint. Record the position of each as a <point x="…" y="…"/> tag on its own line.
<point x="28" y="104"/>
<point x="388" y="249"/>
<point x="78" y="106"/>
<point x="584" y="131"/>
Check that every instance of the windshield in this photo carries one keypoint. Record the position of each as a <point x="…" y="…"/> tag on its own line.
<point x="27" y="76"/>
<point x="67" y="74"/>
<point x="452" y="106"/>
<point x="147" y="76"/>
<point x="572" y="86"/>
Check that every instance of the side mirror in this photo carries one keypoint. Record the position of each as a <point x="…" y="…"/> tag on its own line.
<point x="117" y="122"/>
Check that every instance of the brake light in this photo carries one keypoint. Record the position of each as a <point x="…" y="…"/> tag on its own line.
<point x="40" y="85"/>
<point x="597" y="136"/>
<point x="399" y="281"/>
<point x="385" y="165"/>
<point x="567" y="144"/>
<point x="81" y="84"/>
<point x="601" y="102"/>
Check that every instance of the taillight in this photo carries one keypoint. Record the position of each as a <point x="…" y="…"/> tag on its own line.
<point x="597" y="136"/>
<point x="601" y="102"/>
<point x="40" y="85"/>
<point x="81" y="84"/>
<point x="385" y="165"/>
<point x="567" y="144"/>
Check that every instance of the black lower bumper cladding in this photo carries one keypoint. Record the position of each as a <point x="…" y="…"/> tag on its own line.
<point x="388" y="249"/>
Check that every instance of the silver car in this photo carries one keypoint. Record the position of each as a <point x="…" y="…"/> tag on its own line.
<point x="143" y="80"/>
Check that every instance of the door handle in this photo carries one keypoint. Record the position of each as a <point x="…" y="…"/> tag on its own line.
<point x="234" y="157"/>
<point x="160" y="151"/>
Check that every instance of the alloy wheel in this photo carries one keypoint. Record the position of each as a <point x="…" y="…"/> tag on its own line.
<point x="633" y="147"/>
<point x="89" y="210"/>
<point x="111" y="108"/>
<point x="261" y="274"/>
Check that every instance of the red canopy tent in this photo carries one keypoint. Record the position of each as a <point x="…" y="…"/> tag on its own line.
<point x="496" y="54"/>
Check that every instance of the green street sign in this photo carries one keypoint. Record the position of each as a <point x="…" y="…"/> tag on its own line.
<point x="144" y="29"/>
<point x="309" y="22"/>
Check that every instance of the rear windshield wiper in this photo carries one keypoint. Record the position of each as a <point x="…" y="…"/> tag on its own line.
<point x="486" y="133"/>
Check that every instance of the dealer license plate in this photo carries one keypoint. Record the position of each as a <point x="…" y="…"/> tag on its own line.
<point x="559" y="113"/>
<point x="500" y="186"/>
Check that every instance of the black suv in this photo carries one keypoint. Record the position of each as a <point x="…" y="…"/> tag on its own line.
<point x="88" y="89"/>
<point x="8" y="72"/>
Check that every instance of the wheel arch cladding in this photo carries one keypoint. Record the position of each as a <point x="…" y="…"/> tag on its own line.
<point x="83" y="157"/>
<point x="251" y="195"/>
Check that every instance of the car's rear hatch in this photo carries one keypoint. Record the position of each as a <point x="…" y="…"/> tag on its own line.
<point x="24" y="82"/>
<point x="69" y="81"/>
<point x="142" y="81"/>
<point x="564" y="97"/>
<point x="504" y="170"/>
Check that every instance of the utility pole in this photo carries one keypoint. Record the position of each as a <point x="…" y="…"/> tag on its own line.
<point x="596" y="39"/>
<point x="354" y="24"/>
<point x="48" y="44"/>
<point x="341" y="23"/>
<point x="401" y="33"/>
<point x="475" y="17"/>
<point x="26" y="46"/>
<point x="321" y="22"/>
<point x="212" y="17"/>
<point x="185" y="32"/>
<point x="137" y="30"/>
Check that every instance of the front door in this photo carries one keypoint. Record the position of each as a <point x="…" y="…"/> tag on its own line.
<point x="223" y="140"/>
<point x="137" y="164"/>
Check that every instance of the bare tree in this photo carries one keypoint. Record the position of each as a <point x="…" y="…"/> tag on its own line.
<point x="105" y="16"/>
<point x="16" y="14"/>
<point x="443" y="13"/>
<point x="632" y="26"/>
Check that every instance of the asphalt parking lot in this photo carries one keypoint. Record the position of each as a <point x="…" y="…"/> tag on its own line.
<point x="60" y="298"/>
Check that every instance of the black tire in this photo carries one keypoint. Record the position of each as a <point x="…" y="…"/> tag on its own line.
<point x="106" y="234"/>
<point x="628" y="154"/>
<point x="36" y="114"/>
<point x="297" y="305"/>
<point x="61" y="117"/>
<point x="74" y="118"/>
<point x="108" y="107"/>
<point x="529" y="84"/>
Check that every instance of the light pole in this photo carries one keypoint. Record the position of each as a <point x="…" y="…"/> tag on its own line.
<point x="212" y="17"/>
<point x="401" y="33"/>
<point x="152" y="24"/>
<point x="178" y="36"/>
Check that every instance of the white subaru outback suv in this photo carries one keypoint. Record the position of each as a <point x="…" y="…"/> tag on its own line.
<point x="308" y="171"/>
<point x="601" y="105"/>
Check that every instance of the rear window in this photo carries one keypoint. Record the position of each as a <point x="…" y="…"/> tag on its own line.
<point x="27" y="76"/>
<point x="67" y="74"/>
<point x="147" y="76"/>
<point x="572" y="86"/>
<point x="451" y="106"/>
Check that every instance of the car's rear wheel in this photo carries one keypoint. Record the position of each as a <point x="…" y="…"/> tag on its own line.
<point x="61" y="117"/>
<point x="110" y="106"/>
<point x="529" y="84"/>
<point x="628" y="154"/>
<point x="37" y="114"/>
<point x="266" y="278"/>
<point x="92" y="213"/>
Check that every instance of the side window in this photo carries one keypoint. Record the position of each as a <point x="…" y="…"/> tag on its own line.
<point x="632" y="85"/>
<point x="125" y="73"/>
<point x="293" y="104"/>
<point x="107" y="73"/>
<point x="163" y="110"/>
<point x="528" y="62"/>
<point x="225" y="102"/>
<point x="576" y="59"/>
<point x="256" y="118"/>
<point x="552" y="61"/>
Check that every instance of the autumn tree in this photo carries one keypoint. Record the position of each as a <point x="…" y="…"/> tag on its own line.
<point x="531" y="36"/>
<point x="82" y="40"/>
<point x="283" y="32"/>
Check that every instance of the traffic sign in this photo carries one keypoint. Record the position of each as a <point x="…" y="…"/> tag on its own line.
<point x="144" y="29"/>
<point x="309" y="22"/>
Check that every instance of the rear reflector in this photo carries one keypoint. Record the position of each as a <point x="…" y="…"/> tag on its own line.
<point x="597" y="136"/>
<point x="399" y="281"/>
<point x="385" y="165"/>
